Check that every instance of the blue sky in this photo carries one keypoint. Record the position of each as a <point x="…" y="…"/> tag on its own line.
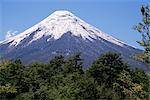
<point x="115" y="17"/>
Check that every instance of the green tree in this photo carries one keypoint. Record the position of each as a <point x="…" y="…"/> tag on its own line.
<point x="140" y="77"/>
<point x="7" y="91"/>
<point x="106" y="68"/>
<point x="126" y="88"/>
<point x="34" y="77"/>
<point x="108" y="78"/>
<point x="55" y="66"/>
<point x="73" y="64"/>
<point x="10" y="77"/>
<point x="74" y="86"/>
<point x="39" y="78"/>
<point x="143" y="28"/>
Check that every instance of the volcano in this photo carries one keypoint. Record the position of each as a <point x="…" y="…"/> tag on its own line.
<point x="64" y="33"/>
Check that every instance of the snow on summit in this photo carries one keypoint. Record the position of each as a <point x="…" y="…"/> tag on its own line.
<point x="59" y="23"/>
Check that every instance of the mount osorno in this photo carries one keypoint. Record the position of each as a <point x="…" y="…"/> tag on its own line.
<point x="64" y="33"/>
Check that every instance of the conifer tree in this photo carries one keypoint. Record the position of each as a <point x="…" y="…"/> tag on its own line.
<point x="144" y="28"/>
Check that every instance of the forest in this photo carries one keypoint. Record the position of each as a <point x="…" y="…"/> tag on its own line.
<point x="108" y="78"/>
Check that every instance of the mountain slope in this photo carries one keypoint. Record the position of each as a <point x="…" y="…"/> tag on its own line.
<point x="64" y="33"/>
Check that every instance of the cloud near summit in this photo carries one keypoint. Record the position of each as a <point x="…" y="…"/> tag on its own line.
<point x="10" y="33"/>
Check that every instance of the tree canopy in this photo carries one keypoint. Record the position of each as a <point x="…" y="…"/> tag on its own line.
<point x="109" y="77"/>
<point x="143" y="28"/>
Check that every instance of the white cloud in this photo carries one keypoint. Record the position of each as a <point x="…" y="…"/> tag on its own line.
<point x="10" y="33"/>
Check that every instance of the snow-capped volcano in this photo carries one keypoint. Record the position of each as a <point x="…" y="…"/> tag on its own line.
<point x="63" y="32"/>
<point x="58" y="24"/>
